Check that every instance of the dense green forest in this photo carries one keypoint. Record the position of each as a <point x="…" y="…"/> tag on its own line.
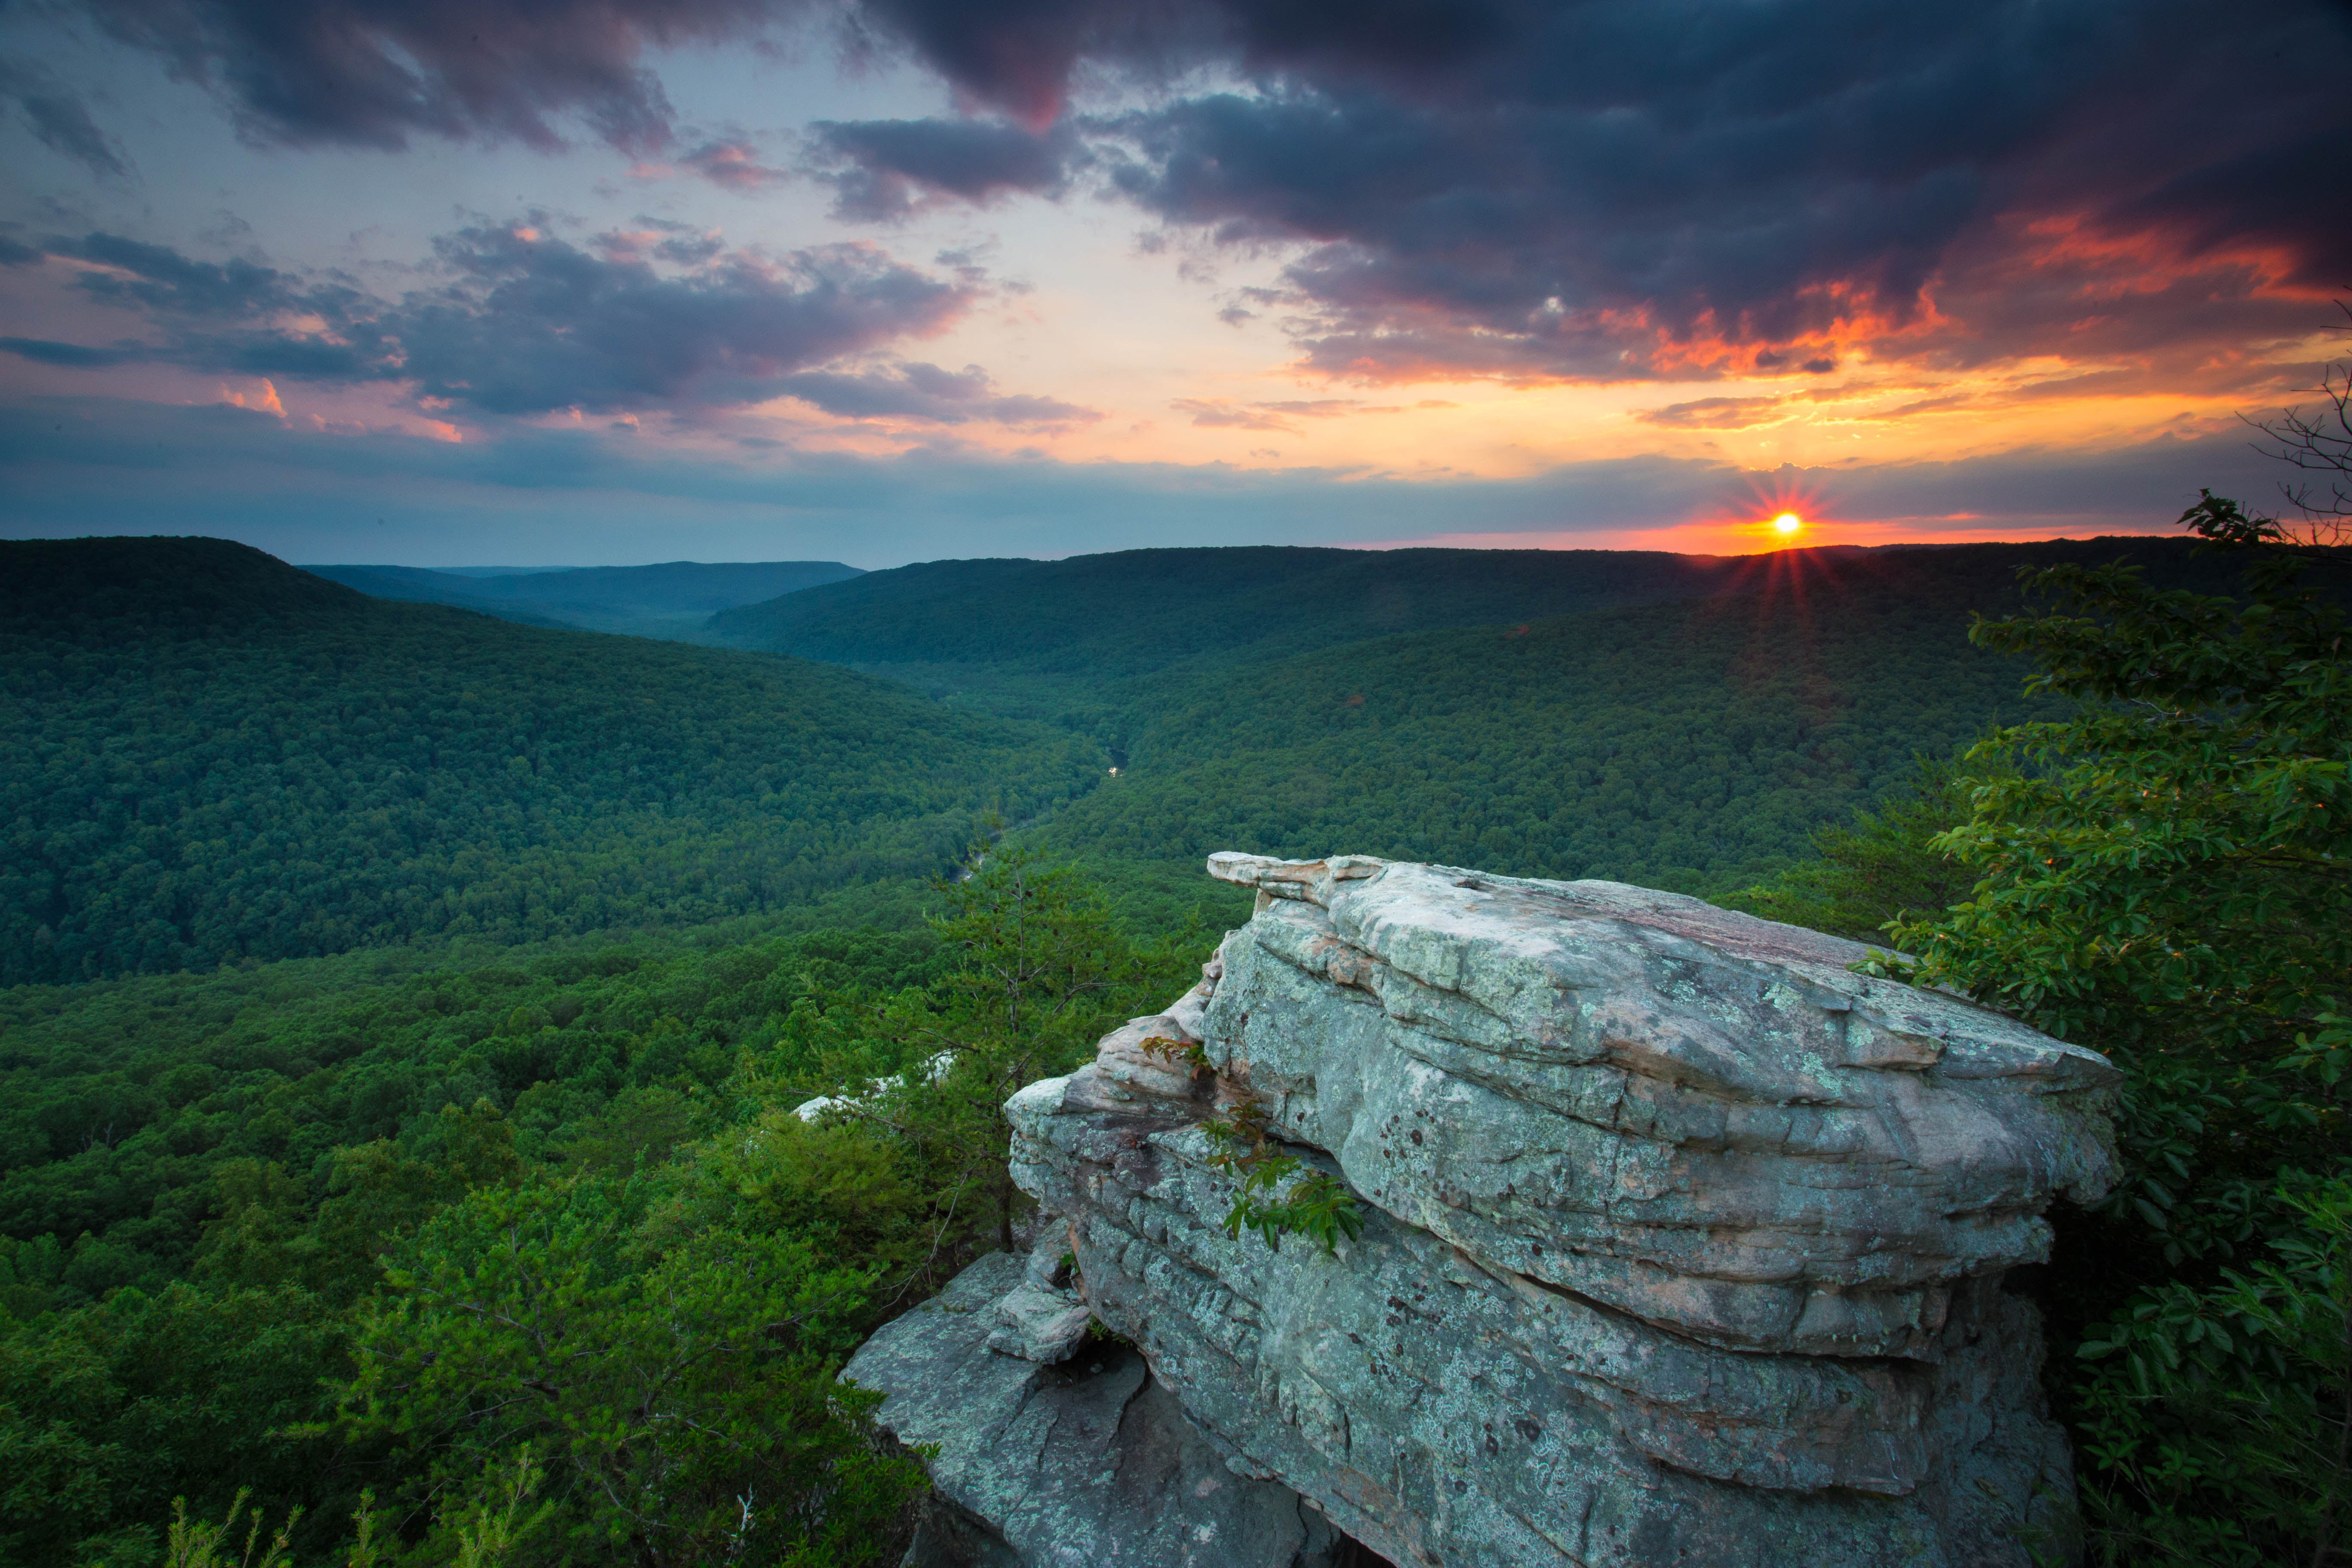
<point x="398" y="992"/>
<point x="227" y="1197"/>
<point x="212" y="757"/>
<point x="1152" y="613"/>
<point x="207" y="756"/>
<point x="1134" y="612"/>
<point x="122" y="1098"/>
<point x="1683" y="722"/>
<point x="1689" y="746"/>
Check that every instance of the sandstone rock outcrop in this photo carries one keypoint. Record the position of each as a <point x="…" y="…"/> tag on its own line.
<point x="1085" y="1463"/>
<point x="1681" y="1242"/>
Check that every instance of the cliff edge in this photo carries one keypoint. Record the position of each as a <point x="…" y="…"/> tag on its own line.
<point x="1677" y="1242"/>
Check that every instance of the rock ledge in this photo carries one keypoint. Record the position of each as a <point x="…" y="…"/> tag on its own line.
<point x="1682" y="1242"/>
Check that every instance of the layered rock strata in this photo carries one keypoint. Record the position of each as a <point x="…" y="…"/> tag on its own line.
<point x="1682" y="1243"/>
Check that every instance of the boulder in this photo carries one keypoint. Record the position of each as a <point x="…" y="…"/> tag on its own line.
<point x="1089" y="1463"/>
<point x="1680" y="1241"/>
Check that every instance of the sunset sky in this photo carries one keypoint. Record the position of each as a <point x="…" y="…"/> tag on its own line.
<point x="605" y="281"/>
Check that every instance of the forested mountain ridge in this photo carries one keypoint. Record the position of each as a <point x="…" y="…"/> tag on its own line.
<point x="669" y="599"/>
<point x="1691" y="745"/>
<point x="206" y="754"/>
<point x="215" y="756"/>
<point x="1133" y="612"/>
<point x="142" y="587"/>
<point x="1142" y="612"/>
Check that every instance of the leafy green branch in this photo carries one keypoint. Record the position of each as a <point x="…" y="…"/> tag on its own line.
<point x="1314" y="1204"/>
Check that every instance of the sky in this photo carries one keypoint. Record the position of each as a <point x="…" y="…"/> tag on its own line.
<point x="608" y="281"/>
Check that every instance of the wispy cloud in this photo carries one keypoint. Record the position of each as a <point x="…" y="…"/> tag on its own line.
<point x="103" y="465"/>
<point x="1712" y="414"/>
<point x="925" y="394"/>
<point x="59" y="120"/>
<point x="733" y="163"/>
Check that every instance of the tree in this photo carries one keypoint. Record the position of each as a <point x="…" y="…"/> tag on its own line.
<point x="678" y="1380"/>
<point x="2318" y="443"/>
<point x="1042" y="968"/>
<point x="2168" y="876"/>
<point x="907" y="1160"/>
<point x="1880" y="868"/>
<point x="108" y="1412"/>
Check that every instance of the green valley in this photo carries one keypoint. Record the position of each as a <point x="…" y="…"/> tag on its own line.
<point x="384" y="984"/>
<point x="207" y="756"/>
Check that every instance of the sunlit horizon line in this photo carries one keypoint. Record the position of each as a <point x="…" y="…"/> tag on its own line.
<point x="1679" y="539"/>
<point x="1643" y="542"/>
<point x="1646" y="541"/>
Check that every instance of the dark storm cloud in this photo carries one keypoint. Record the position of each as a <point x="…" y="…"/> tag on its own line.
<point x="1657" y="189"/>
<point x="1521" y="189"/>
<point x="529" y="323"/>
<point x="886" y="169"/>
<point x="58" y="120"/>
<point x="927" y="393"/>
<point x="1622" y="189"/>
<point x="1018" y="55"/>
<point x="376" y="72"/>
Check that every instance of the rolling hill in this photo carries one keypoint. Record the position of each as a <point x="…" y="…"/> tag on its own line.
<point x="207" y="756"/>
<point x="1683" y="722"/>
<point x="212" y="756"/>
<point x="1691" y="745"/>
<point x="1147" y="612"/>
<point x="1135" y="612"/>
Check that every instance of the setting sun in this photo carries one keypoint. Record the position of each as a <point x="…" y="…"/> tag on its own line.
<point x="1788" y="522"/>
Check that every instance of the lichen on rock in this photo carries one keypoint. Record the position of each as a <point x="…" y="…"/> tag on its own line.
<point x="1082" y="1460"/>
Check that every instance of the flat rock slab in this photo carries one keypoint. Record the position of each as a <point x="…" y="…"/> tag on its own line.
<point x="1085" y="1464"/>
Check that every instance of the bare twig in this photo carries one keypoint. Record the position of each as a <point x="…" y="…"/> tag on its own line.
<point x="2319" y="442"/>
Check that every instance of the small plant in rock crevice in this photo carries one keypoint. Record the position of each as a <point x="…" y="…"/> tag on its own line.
<point x="1100" y="1334"/>
<point x="1189" y="1053"/>
<point x="1315" y="1205"/>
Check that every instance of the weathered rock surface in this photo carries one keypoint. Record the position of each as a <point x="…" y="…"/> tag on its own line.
<point x="1042" y="1318"/>
<point x="1682" y="1243"/>
<point x="1087" y="1464"/>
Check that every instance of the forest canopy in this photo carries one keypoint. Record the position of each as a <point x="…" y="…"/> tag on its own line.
<point x="207" y="756"/>
<point x="398" y="992"/>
